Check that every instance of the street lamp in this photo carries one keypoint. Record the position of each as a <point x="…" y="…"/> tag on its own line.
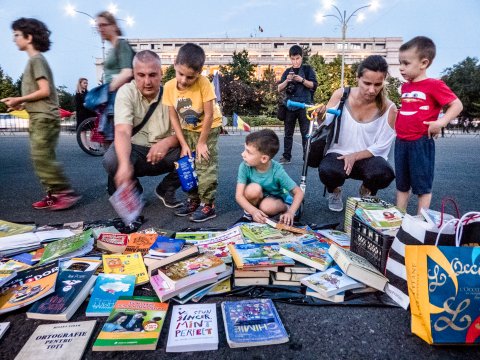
<point x="342" y="17"/>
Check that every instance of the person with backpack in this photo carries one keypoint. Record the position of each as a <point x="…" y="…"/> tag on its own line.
<point x="299" y="83"/>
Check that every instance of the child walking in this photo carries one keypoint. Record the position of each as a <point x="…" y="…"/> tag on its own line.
<point x="196" y="121"/>
<point x="417" y="122"/>
<point x="263" y="186"/>
<point x="39" y="99"/>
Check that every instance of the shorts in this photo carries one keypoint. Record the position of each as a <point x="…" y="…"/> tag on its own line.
<point x="414" y="165"/>
<point x="286" y="198"/>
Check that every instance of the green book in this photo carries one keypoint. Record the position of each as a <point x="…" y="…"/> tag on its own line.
<point x="59" y="248"/>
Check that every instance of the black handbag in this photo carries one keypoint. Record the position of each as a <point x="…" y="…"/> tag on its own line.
<point x="323" y="136"/>
<point x="281" y="112"/>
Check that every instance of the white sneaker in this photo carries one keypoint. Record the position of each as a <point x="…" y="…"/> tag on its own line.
<point x="335" y="202"/>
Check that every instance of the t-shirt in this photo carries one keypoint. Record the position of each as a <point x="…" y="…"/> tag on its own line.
<point x="120" y="57"/>
<point x="131" y="107"/>
<point x="421" y="101"/>
<point x="37" y="68"/>
<point x="275" y="181"/>
<point x="188" y="103"/>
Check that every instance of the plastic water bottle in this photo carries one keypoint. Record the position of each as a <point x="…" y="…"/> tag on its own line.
<point x="186" y="172"/>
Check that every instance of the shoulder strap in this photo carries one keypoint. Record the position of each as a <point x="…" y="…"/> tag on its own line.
<point x="338" y="118"/>
<point x="149" y="113"/>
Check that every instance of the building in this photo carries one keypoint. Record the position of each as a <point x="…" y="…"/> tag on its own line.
<point x="273" y="52"/>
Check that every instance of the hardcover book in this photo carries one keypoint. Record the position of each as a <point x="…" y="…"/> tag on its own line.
<point x="135" y="323"/>
<point x="129" y="264"/>
<point x="339" y="237"/>
<point x="252" y="322"/>
<point x="311" y="253"/>
<point x="330" y="282"/>
<point x="193" y="328"/>
<point x="108" y="288"/>
<point x="65" y="246"/>
<point x="112" y="242"/>
<point x="261" y="233"/>
<point x="141" y="243"/>
<point x="258" y="255"/>
<point x="58" y="341"/>
<point x="28" y="286"/>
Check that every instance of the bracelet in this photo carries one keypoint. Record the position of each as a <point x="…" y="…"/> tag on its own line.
<point x="303" y="80"/>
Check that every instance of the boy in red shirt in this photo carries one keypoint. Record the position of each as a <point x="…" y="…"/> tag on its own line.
<point x="417" y="122"/>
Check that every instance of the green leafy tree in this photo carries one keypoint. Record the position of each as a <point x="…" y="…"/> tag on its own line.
<point x="169" y="74"/>
<point x="306" y="51"/>
<point x="7" y="89"/>
<point x="66" y="100"/>
<point x="240" y="68"/>
<point x="464" y="80"/>
<point x="393" y="90"/>
<point x="267" y="93"/>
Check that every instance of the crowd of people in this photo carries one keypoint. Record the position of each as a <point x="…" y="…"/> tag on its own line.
<point x="152" y="126"/>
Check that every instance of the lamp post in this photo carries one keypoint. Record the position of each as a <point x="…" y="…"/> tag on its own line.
<point x="344" y="20"/>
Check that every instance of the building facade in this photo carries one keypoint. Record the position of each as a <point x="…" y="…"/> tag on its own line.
<point x="272" y="52"/>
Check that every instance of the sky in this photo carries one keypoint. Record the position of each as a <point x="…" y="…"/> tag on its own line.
<point x="453" y="25"/>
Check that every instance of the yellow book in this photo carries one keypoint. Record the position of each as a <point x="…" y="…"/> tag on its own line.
<point x="126" y="264"/>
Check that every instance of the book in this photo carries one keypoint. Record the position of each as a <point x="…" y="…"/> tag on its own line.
<point x="283" y="276"/>
<point x="21" y="242"/>
<point x="9" y="228"/>
<point x="251" y="281"/>
<point x="14" y="265"/>
<point x="6" y="276"/>
<point x="165" y="291"/>
<point x="166" y="246"/>
<point x="140" y="243"/>
<point x="261" y="233"/>
<point x="98" y="231"/>
<point x="154" y="264"/>
<point x="257" y="255"/>
<point x="129" y="264"/>
<point x="158" y="231"/>
<point x="71" y="290"/>
<point x="222" y="287"/>
<point x="108" y="288"/>
<point x="3" y="328"/>
<point x="330" y="282"/>
<point x="251" y="273"/>
<point x="281" y="226"/>
<point x="58" y="341"/>
<point x="53" y="235"/>
<point x="285" y="282"/>
<point x="25" y="258"/>
<point x="135" y="323"/>
<point x="337" y="298"/>
<point x="193" y="328"/>
<point x="185" y="271"/>
<point x="112" y="242"/>
<point x="355" y="202"/>
<point x="28" y="286"/>
<point x="379" y="217"/>
<point x="252" y="322"/>
<point x="299" y="269"/>
<point x="339" y="237"/>
<point x="311" y="253"/>
<point x="434" y="218"/>
<point x="80" y="264"/>
<point x="218" y="245"/>
<point x="357" y="267"/>
<point x="65" y="246"/>
<point x="194" y="237"/>
<point x="38" y="254"/>
<point x="127" y="202"/>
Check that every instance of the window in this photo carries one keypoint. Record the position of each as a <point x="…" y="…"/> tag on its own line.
<point x="144" y="46"/>
<point x="329" y="46"/>
<point x="368" y="46"/>
<point x="355" y="46"/>
<point x="380" y="46"/>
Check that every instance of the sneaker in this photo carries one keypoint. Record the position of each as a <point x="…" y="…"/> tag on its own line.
<point x="246" y="218"/>
<point x="284" y="161"/>
<point x="335" y="202"/>
<point x="204" y="213"/>
<point x="168" y="198"/>
<point x="45" y="203"/>
<point x="188" y="208"/>
<point x="65" y="200"/>
<point x="364" y="191"/>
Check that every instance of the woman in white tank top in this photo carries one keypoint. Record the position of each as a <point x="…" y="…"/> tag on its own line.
<point x="365" y="137"/>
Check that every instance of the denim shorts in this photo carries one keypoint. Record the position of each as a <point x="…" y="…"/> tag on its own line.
<point x="414" y="165"/>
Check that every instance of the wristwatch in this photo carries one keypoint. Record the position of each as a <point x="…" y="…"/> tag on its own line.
<point x="303" y="80"/>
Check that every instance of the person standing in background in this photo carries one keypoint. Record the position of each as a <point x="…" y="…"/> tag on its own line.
<point x="82" y="113"/>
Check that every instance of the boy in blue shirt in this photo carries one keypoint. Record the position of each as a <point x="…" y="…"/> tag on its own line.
<point x="263" y="186"/>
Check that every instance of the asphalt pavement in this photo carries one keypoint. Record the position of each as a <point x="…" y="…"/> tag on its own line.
<point x="327" y="332"/>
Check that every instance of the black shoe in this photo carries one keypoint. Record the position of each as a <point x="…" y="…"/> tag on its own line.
<point x="168" y="198"/>
<point x="204" y="213"/>
<point x="284" y="161"/>
<point x="187" y="208"/>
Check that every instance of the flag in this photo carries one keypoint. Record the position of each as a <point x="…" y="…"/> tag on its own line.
<point x="216" y="87"/>
<point x="22" y="114"/>
<point x="260" y="28"/>
<point x="239" y="123"/>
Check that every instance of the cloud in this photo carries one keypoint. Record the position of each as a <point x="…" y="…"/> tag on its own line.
<point x="244" y="7"/>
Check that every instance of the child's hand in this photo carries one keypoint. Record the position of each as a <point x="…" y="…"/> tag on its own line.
<point x="434" y="128"/>
<point x="202" y="152"/>
<point x="287" y="218"/>
<point x="13" y="103"/>
<point x="186" y="151"/>
<point x="259" y="216"/>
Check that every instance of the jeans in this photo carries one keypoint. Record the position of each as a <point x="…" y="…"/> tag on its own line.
<point x="290" y="122"/>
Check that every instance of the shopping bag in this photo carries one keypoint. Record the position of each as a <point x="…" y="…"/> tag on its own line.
<point x="444" y="290"/>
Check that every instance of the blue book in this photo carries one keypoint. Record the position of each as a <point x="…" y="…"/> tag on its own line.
<point x="108" y="288"/>
<point x="252" y="322"/>
<point x="25" y="258"/>
<point x="165" y="246"/>
<point x="71" y="290"/>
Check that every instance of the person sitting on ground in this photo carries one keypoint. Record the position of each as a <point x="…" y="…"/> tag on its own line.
<point x="366" y="135"/>
<point x="154" y="148"/>
<point x="263" y="186"/>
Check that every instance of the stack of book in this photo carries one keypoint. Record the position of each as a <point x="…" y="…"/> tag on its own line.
<point x="291" y="275"/>
<point x="386" y="220"/>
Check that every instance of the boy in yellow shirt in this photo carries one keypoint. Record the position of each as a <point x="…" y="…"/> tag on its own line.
<point x="196" y="121"/>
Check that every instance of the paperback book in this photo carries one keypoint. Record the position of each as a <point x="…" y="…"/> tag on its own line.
<point x="65" y="246"/>
<point x="337" y="298"/>
<point x="129" y="264"/>
<point x="9" y="228"/>
<point x="140" y="243"/>
<point x="195" y="237"/>
<point x="135" y="323"/>
<point x="258" y="255"/>
<point x="127" y="202"/>
<point x="261" y="233"/>
<point x="311" y="253"/>
<point x="252" y="322"/>
<point x="112" y="242"/>
<point x="58" y="341"/>
<point x="434" y="218"/>
<point x="193" y="328"/>
<point x="6" y="276"/>
<point x="166" y="246"/>
<point x="3" y="328"/>
<point x="165" y="291"/>
<point x="330" y="282"/>
<point x="339" y="237"/>
<point x="154" y="264"/>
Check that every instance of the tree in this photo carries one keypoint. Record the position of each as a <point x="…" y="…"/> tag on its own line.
<point x="306" y="54"/>
<point x="464" y="80"/>
<point x="267" y="93"/>
<point x="240" y="68"/>
<point x="169" y="74"/>
<point x="393" y="90"/>
<point x="65" y="99"/>
<point x="7" y="89"/>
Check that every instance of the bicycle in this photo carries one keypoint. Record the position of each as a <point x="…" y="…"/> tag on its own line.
<point x="90" y="140"/>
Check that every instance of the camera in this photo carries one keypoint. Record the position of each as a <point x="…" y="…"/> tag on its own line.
<point x="291" y="87"/>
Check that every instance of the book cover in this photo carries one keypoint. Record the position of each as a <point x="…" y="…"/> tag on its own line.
<point x="281" y="226"/>
<point x="252" y="322"/>
<point x="135" y="323"/>
<point x="166" y="246"/>
<point x="98" y="231"/>
<point x="330" y="282"/>
<point x="222" y="287"/>
<point x="339" y="237"/>
<point x="127" y="202"/>
<point x="58" y="341"/>
<point x="311" y="252"/>
<point x="434" y="218"/>
<point x="258" y="255"/>
<point x="38" y="254"/>
<point x="28" y="286"/>
<point x="112" y="242"/>
<point x="261" y="233"/>
<point x="380" y="217"/>
<point x="9" y="228"/>
<point x="158" y="231"/>
<point x="26" y="258"/>
<point x="165" y="291"/>
<point x="3" y="328"/>
<point x="193" y="328"/>
<point x="65" y="246"/>
<point x="337" y="298"/>
<point x="194" y="237"/>
<point x="251" y="281"/>
<point x="80" y="264"/>
<point x="108" y="288"/>
<point x="184" y="271"/>
<point x="14" y="265"/>
<point x="53" y="235"/>
<point x="141" y="243"/>
<point x="129" y="264"/>
<point x="154" y="264"/>
<point x="6" y="276"/>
